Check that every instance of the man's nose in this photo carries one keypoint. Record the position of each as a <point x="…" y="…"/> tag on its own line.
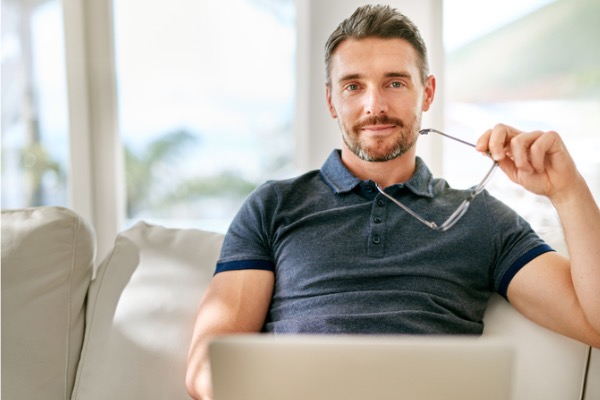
<point x="375" y="102"/>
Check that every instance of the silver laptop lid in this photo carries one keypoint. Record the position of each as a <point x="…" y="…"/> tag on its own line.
<point x="287" y="367"/>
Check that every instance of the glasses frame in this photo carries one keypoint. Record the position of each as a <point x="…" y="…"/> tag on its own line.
<point x="463" y="207"/>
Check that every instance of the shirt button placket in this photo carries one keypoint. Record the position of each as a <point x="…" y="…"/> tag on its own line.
<point x="377" y="229"/>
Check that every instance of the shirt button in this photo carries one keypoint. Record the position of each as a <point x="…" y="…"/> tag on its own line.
<point x="376" y="239"/>
<point x="380" y="203"/>
<point x="377" y="220"/>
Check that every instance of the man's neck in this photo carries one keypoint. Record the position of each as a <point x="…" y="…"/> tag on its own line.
<point x="386" y="173"/>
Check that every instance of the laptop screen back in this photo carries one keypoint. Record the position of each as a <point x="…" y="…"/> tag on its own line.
<point x="286" y="367"/>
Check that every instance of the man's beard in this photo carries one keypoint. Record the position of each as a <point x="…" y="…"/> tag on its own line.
<point x="403" y="143"/>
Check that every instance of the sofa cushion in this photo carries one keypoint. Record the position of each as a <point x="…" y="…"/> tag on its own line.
<point x="141" y="313"/>
<point x="47" y="262"/>
<point x="592" y="388"/>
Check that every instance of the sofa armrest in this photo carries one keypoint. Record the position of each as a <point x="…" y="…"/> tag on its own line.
<point x="47" y="262"/>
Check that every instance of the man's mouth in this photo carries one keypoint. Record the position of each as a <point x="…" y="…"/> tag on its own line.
<point x="379" y="124"/>
<point x="378" y="127"/>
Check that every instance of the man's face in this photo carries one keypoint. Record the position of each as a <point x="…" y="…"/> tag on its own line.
<point x="377" y="96"/>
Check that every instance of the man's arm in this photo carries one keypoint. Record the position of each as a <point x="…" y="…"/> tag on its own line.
<point x="543" y="291"/>
<point x="235" y="302"/>
<point x="561" y="294"/>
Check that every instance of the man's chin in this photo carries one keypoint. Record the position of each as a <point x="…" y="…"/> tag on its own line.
<point x="378" y="156"/>
<point x="377" y="150"/>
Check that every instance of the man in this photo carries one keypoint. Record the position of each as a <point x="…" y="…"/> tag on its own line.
<point x="327" y="252"/>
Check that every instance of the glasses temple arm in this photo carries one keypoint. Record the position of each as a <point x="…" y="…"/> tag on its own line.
<point x="408" y="210"/>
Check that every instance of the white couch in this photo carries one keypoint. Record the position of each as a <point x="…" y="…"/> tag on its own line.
<point x="125" y="333"/>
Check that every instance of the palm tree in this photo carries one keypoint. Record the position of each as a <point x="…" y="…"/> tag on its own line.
<point x="142" y="170"/>
<point x="154" y="179"/>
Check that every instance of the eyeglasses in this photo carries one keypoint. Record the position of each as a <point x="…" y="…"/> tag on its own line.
<point x="463" y="207"/>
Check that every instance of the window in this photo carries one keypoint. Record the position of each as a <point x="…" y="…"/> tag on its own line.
<point x="205" y="105"/>
<point x="206" y="101"/>
<point x="35" y="141"/>
<point x="206" y="94"/>
<point x="529" y="64"/>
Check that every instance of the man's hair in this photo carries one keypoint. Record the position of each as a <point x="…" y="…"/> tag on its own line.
<point x="377" y="21"/>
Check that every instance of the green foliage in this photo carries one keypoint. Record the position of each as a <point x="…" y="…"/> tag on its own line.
<point x="154" y="177"/>
<point x="225" y="184"/>
<point x="141" y="169"/>
<point x="37" y="163"/>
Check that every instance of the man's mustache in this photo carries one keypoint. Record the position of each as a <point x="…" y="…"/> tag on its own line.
<point x="378" y="120"/>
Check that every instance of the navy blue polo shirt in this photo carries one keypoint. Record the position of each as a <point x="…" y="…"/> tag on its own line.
<point x="348" y="260"/>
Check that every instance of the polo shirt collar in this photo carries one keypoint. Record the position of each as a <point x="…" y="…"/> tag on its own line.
<point x="341" y="180"/>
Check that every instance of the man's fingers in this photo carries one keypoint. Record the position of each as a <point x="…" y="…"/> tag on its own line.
<point x="528" y="153"/>
<point x="499" y="141"/>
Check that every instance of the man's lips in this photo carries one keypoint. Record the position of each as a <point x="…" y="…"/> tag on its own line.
<point x="380" y="125"/>
<point x="378" y="128"/>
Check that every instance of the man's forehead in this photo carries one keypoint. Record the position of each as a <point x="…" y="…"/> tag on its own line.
<point x="374" y="43"/>
<point x="387" y="57"/>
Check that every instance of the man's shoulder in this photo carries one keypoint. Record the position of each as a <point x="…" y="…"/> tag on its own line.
<point x="307" y="180"/>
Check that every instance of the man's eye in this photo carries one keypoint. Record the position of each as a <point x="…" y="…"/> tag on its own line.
<point x="352" y="87"/>
<point x="397" y="84"/>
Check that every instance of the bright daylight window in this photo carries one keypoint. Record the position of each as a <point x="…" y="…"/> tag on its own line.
<point x="206" y="100"/>
<point x="531" y="64"/>
<point x="35" y="141"/>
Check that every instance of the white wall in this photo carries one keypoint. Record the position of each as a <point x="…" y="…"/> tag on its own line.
<point x="316" y="132"/>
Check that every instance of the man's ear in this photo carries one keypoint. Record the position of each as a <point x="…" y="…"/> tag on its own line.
<point x="429" y="92"/>
<point x="330" y="106"/>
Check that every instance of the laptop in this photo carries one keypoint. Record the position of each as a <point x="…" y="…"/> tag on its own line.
<point x="312" y="367"/>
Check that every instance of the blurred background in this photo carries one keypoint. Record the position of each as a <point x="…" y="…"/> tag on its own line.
<point x="173" y="112"/>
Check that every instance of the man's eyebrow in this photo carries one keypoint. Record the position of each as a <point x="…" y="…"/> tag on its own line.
<point x="349" y="77"/>
<point x="397" y="75"/>
<point x="394" y="74"/>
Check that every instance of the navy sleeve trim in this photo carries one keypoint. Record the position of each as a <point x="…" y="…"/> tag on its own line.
<point x="520" y="263"/>
<point x="263" y="265"/>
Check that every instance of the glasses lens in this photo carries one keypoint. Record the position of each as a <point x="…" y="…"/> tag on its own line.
<point x="464" y="206"/>
<point x="486" y="179"/>
<point x="456" y="215"/>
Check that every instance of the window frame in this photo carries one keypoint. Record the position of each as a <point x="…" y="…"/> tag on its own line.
<point x="96" y="161"/>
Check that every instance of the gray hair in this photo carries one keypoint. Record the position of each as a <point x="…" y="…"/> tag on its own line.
<point x="377" y="21"/>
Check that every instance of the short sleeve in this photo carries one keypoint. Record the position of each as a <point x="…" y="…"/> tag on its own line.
<point x="247" y="244"/>
<point x="514" y="241"/>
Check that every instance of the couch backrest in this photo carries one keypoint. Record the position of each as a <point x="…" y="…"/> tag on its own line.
<point x="141" y="312"/>
<point x="127" y="322"/>
<point x="47" y="261"/>
<point x="549" y="366"/>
